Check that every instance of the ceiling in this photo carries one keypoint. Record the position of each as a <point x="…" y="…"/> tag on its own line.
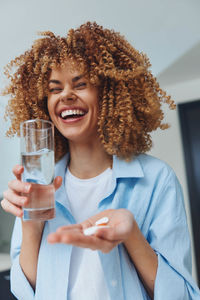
<point x="168" y="31"/>
<point x="184" y="68"/>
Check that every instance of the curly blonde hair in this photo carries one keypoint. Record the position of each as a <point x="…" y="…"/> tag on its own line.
<point x="130" y="97"/>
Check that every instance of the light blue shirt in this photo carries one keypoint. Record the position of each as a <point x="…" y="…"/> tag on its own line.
<point x="150" y="190"/>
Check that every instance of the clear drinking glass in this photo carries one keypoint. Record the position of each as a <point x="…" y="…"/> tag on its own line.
<point x="37" y="158"/>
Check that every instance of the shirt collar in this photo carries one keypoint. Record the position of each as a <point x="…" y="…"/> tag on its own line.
<point x="61" y="166"/>
<point x="121" y="168"/>
<point x="124" y="169"/>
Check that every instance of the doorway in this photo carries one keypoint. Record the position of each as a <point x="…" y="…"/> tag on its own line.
<point x="189" y="114"/>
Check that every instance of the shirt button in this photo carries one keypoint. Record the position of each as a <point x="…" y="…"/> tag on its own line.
<point x="113" y="283"/>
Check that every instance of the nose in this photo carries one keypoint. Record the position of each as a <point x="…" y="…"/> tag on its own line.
<point x="67" y="95"/>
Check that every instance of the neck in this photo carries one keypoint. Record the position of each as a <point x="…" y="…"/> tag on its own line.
<point x="88" y="160"/>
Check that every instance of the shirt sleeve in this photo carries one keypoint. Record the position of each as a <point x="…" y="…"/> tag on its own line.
<point x="169" y="237"/>
<point x="20" y="286"/>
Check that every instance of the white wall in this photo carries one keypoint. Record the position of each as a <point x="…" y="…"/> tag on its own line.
<point x="9" y="152"/>
<point x="168" y="145"/>
<point x="151" y="26"/>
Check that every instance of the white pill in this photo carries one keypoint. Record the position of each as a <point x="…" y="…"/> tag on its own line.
<point x="103" y="220"/>
<point x="92" y="230"/>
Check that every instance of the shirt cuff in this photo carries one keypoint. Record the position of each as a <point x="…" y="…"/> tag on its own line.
<point x="170" y="284"/>
<point x="20" y="287"/>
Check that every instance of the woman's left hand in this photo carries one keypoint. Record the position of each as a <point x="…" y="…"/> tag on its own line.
<point x="120" y="225"/>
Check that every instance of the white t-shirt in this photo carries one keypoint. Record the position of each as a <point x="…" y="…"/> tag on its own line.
<point x="86" y="278"/>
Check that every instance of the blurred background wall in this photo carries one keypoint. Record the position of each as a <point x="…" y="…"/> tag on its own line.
<point x="167" y="31"/>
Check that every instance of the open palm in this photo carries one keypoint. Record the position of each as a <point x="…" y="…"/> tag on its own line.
<point x="120" y="225"/>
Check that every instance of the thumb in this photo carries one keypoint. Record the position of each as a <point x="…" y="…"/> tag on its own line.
<point x="57" y="182"/>
<point x="17" y="171"/>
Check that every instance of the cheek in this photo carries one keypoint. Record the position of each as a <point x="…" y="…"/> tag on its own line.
<point x="94" y="102"/>
<point x="50" y="108"/>
<point x="50" y="103"/>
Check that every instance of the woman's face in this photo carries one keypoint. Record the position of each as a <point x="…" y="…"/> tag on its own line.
<point x="73" y="104"/>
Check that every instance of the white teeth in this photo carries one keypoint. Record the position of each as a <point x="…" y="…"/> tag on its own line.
<point x="71" y="112"/>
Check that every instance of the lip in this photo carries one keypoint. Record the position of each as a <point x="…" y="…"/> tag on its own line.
<point x="72" y="120"/>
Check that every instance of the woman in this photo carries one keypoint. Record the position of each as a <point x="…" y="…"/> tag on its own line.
<point x="104" y="102"/>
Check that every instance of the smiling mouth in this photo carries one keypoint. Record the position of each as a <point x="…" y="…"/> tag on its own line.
<point x="72" y="114"/>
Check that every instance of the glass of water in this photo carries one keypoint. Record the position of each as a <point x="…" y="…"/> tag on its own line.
<point x="37" y="158"/>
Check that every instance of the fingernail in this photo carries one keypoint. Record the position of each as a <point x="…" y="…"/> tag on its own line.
<point x="24" y="201"/>
<point x="19" y="168"/>
<point x="20" y="214"/>
<point x="27" y="187"/>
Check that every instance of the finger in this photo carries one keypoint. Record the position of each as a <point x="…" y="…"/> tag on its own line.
<point x="11" y="208"/>
<point x="102" y="245"/>
<point x="19" y="186"/>
<point x="57" y="237"/>
<point x="108" y="233"/>
<point x="108" y="246"/>
<point x="95" y="243"/>
<point x="14" y="198"/>
<point x="53" y="238"/>
<point x="67" y="236"/>
<point x="69" y="227"/>
<point x="57" y="182"/>
<point x="76" y="238"/>
<point x="17" y="171"/>
<point x="92" y="220"/>
<point x="87" y="223"/>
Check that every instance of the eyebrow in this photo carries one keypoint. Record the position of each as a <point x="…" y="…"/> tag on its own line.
<point x="75" y="79"/>
<point x="54" y="81"/>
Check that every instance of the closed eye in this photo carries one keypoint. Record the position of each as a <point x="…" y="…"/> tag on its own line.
<point x="55" y="90"/>
<point x="80" y="85"/>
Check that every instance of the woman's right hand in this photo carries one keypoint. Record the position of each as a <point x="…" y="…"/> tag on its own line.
<point x="13" y="200"/>
<point x="16" y="196"/>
